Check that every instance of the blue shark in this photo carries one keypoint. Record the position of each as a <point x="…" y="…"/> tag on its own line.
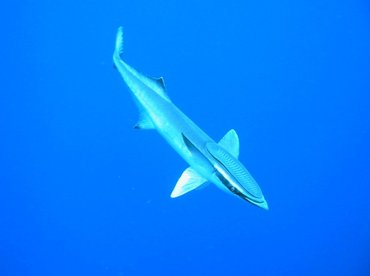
<point x="209" y="162"/>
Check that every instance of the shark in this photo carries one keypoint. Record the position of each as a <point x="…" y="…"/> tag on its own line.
<point x="209" y="161"/>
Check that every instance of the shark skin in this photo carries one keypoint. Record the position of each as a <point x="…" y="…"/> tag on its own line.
<point x="208" y="161"/>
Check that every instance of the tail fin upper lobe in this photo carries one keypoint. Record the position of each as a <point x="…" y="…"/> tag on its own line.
<point x="119" y="43"/>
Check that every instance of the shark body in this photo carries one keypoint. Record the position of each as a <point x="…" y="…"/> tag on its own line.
<point x="209" y="161"/>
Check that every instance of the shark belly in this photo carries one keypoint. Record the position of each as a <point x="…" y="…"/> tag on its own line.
<point x="172" y="124"/>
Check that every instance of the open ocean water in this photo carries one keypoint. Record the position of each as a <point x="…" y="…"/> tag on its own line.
<point x="83" y="193"/>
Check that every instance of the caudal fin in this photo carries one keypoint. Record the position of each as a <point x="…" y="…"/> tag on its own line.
<point x="118" y="51"/>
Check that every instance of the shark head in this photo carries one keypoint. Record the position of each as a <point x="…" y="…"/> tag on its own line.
<point x="231" y="175"/>
<point x="223" y="169"/>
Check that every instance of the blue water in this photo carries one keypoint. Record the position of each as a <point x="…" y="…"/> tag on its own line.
<point x="83" y="193"/>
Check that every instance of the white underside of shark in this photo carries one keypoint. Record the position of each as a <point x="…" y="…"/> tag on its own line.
<point x="208" y="161"/>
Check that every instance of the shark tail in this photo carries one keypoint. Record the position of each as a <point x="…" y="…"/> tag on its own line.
<point x="119" y="44"/>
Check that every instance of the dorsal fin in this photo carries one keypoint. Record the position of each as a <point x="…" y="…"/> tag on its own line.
<point x="160" y="82"/>
<point x="230" y="142"/>
<point x="188" y="181"/>
<point x="157" y="84"/>
<point x="144" y="121"/>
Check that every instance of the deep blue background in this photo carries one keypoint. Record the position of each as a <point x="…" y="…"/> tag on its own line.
<point x="82" y="193"/>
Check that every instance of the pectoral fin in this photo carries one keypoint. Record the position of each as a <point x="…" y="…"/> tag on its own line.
<point x="188" y="181"/>
<point x="230" y="142"/>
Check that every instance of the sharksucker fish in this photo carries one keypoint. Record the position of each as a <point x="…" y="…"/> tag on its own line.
<point x="208" y="161"/>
